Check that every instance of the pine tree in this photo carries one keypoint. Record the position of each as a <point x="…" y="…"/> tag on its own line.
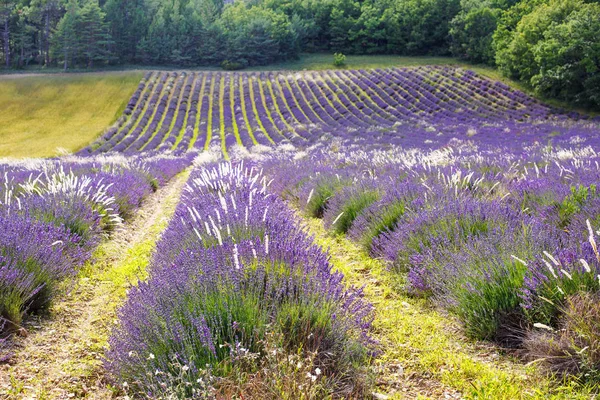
<point x="6" y="10"/>
<point x="66" y="42"/>
<point x="93" y="33"/>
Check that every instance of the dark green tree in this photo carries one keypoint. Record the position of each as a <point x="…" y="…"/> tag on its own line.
<point x="95" y="41"/>
<point x="568" y="57"/>
<point x="472" y="32"/>
<point x="65" y="40"/>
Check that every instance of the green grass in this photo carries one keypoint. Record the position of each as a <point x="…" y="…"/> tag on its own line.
<point x="322" y="61"/>
<point x="42" y="114"/>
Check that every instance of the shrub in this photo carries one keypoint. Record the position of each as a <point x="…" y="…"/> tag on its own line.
<point x="324" y="188"/>
<point x="552" y="278"/>
<point x="348" y="205"/>
<point x="383" y="215"/>
<point x="34" y="258"/>
<point x="234" y="65"/>
<point x="471" y="31"/>
<point x="574" y="348"/>
<point x="339" y="60"/>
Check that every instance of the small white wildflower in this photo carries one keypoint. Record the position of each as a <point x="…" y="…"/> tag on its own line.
<point x="552" y="258"/>
<point x="131" y="354"/>
<point x="313" y="377"/>
<point x="566" y="274"/>
<point x="185" y="368"/>
<point x="125" y="384"/>
<point x="585" y="265"/>
<point x="519" y="260"/>
<point x="318" y="371"/>
<point x="151" y="357"/>
<point x="299" y="365"/>
<point x="542" y="326"/>
<point x="338" y="217"/>
<point x="266" y="244"/>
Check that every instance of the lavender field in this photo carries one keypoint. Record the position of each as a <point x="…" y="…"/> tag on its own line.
<point x="334" y="229"/>
<point x="220" y="110"/>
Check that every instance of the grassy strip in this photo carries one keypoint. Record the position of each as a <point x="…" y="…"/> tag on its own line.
<point x="423" y="353"/>
<point x="168" y="82"/>
<point x="278" y="110"/>
<point x="295" y="82"/>
<point x="63" y="359"/>
<point x="222" y="117"/>
<point x="197" y="123"/>
<point x="243" y="107"/>
<point x="262" y="98"/>
<point x="175" y="83"/>
<point x="182" y="131"/>
<point x="236" y="129"/>
<point x="147" y="91"/>
<point x="210" y="116"/>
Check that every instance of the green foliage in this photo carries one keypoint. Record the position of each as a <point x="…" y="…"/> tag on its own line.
<point x="339" y="60"/>
<point x="234" y="65"/>
<point x="386" y="219"/>
<point x="81" y="36"/>
<point x="574" y="348"/>
<point x="420" y="27"/>
<point x="569" y="58"/>
<point x="550" y="45"/>
<point x="472" y="31"/>
<point x="554" y="47"/>
<point x="572" y="204"/>
<point x="352" y="207"/>
<point x="484" y="302"/>
<point x="320" y="195"/>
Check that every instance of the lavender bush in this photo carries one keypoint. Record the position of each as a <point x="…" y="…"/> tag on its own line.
<point x="232" y="267"/>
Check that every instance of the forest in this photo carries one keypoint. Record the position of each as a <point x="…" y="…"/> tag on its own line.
<point x="553" y="46"/>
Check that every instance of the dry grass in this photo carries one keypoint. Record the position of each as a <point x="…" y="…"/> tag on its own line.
<point x="42" y="114"/>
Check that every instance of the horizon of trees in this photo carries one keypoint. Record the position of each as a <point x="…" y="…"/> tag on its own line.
<point x="551" y="45"/>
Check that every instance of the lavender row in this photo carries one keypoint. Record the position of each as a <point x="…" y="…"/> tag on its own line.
<point x="232" y="275"/>
<point x="53" y="214"/>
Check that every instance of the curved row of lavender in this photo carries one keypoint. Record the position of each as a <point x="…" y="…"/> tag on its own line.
<point x="503" y="238"/>
<point x="425" y="105"/>
<point x="234" y="282"/>
<point x="53" y="213"/>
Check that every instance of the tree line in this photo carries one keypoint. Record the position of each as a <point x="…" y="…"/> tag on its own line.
<point x="552" y="45"/>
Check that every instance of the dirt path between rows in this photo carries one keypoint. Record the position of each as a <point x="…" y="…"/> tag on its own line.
<point x="61" y="357"/>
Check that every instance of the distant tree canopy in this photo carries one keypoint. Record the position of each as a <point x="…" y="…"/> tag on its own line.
<point x="552" y="45"/>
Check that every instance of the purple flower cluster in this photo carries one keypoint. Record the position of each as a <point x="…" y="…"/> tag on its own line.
<point x="419" y="107"/>
<point x="232" y="265"/>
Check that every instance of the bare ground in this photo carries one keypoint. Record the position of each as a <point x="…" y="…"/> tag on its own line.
<point x="60" y="356"/>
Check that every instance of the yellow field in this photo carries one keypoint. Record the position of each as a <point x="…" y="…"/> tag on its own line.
<point x="40" y="115"/>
